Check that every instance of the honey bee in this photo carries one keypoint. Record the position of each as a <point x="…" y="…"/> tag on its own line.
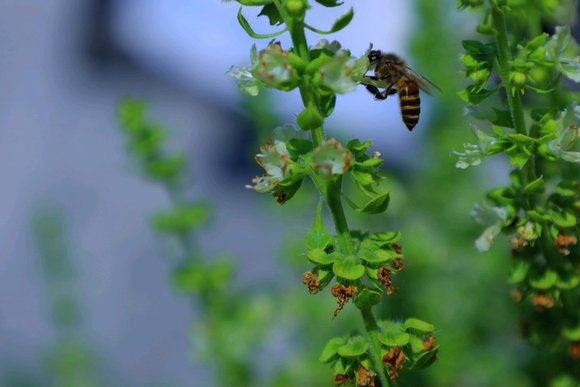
<point x="392" y="72"/>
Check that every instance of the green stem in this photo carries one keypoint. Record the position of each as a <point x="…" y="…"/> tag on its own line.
<point x="514" y="99"/>
<point x="333" y="200"/>
<point x="373" y="332"/>
<point x="296" y="29"/>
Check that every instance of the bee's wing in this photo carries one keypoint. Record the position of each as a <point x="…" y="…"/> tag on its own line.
<point x="423" y="82"/>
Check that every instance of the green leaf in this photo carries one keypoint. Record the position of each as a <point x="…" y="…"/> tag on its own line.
<point x="571" y="333"/>
<point x="357" y="147"/>
<point x="503" y="118"/>
<point x="567" y="189"/>
<point x="568" y="281"/>
<point x="376" y="205"/>
<point x="518" y="271"/>
<point x="473" y="96"/>
<point x="367" y="298"/>
<point x="331" y="349"/>
<point x="348" y="268"/>
<point x="182" y="219"/>
<point x="272" y="13"/>
<point x="419" y="325"/>
<point x="362" y="178"/>
<point x="298" y="147"/>
<point x="521" y="139"/>
<point x="253" y="2"/>
<point x="377" y="255"/>
<point x="370" y="163"/>
<point x="354" y="347"/>
<point x="329" y="3"/>
<point x="388" y="325"/>
<point x="394" y="338"/>
<point x="416" y="344"/>
<point x="317" y="236"/>
<point x="518" y="155"/>
<point x="536" y="187"/>
<point x="425" y="360"/>
<point x="544" y="281"/>
<point x="246" y="26"/>
<point x="563" y="219"/>
<point x="338" y="25"/>
<point x="320" y="257"/>
<point x="310" y="118"/>
<point x="388" y="237"/>
<point x="327" y="102"/>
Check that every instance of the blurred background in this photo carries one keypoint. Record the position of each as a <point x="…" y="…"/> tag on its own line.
<point x="86" y="297"/>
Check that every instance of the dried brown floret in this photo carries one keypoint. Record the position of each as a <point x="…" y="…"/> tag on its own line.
<point x="344" y="293"/>
<point x="398" y="264"/>
<point x="517" y="295"/>
<point x="542" y="301"/>
<point x="575" y="350"/>
<point x="385" y="278"/>
<point x="398" y="249"/>
<point x="394" y="359"/>
<point x="311" y="281"/>
<point x="365" y="377"/>
<point x="342" y="379"/>
<point x="563" y="242"/>
<point x="429" y="343"/>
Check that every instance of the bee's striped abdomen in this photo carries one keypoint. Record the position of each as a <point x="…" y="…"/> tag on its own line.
<point x="410" y="102"/>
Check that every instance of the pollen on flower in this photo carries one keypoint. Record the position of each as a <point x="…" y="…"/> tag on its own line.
<point x="344" y="294"/>
<point x="564" y="241"/>
<point x="311" y="281"/>
<point x="385" y="278"/>
<point x="365" y="377"/>
<point x="394" y="359"/>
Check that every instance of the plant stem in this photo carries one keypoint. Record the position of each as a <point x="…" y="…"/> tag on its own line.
<point x="333" y="200"/>
<point x="514" y="99"/>
<point x="372" y="331"/>
<point x="296" y="30"/>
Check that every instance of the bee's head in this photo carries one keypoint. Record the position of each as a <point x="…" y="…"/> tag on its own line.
<point x="374" y="56"/>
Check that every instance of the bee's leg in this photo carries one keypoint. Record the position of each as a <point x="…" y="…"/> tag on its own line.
<point x="390" y="90"/>
<point x="375" y="91"/>
<point x="378" y="94"/>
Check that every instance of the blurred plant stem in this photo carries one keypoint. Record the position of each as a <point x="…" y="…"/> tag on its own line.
<point x="71" y="362"/>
